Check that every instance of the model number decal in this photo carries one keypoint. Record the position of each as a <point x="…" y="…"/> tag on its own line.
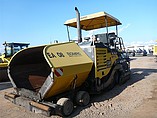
<point x="60" y="54"/>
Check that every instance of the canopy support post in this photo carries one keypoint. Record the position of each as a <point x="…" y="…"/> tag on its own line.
<point x="106" y="28"/>
<point x="116" y="29"/>
<point x="68" y="34"/>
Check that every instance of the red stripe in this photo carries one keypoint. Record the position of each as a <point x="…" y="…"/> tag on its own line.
<point x="61" y="69"/>
<point x="57" y="74"/>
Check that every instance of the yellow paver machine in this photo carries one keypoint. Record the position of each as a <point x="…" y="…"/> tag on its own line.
<point x="52" y="79"/>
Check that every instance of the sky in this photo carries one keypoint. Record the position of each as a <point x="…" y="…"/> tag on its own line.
<point x="41" y="22"/>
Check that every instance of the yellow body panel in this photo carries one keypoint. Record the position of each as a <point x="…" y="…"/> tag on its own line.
<point x="72" y="60"/>
<point x="62" y="84"/>
<point x="4" y="61"/>
<point x="155" y="50"/>
<point x="3" y="65"/>
<point x="65" y="54"/>
<point x="103" y="62"/>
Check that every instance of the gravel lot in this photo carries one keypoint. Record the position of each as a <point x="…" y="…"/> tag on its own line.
<point x="137" y="98"/>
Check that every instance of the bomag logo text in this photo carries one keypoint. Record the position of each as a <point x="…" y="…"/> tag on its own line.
<point x="74" y="54"/>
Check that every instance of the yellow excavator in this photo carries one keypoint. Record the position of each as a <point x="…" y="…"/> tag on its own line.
<point x="52" y="79"/>
<point x="9" y="50"/>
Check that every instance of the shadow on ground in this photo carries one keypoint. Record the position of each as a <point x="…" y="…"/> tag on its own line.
<point x="137" y="75"/>
<point x="132" y="59"/>
<point x="5" y="85"/>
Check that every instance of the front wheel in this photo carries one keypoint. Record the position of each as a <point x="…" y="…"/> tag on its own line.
<point x="66" y="106"/>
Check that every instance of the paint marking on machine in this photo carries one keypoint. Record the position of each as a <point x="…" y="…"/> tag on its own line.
<point x="61" y="54"/>
<point x="58" y="72"/>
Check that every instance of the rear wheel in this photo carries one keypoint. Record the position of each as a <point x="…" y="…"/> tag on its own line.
<point x="66" y="106"/>
<point x="82" y="98"/>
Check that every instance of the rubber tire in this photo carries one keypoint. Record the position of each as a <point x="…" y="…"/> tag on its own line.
<point x="66" y="106"/>
<point x="82" y="98"/>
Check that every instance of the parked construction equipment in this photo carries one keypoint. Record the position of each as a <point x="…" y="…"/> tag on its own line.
<point x="52" y="79"/>
<point x="155" y="52"/>
<point x="10" y="49"/>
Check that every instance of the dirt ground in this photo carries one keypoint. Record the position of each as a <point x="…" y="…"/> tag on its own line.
<point x="137" y="98"/>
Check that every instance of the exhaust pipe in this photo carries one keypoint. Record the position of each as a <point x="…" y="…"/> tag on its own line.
<point x="78" y="25"/>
